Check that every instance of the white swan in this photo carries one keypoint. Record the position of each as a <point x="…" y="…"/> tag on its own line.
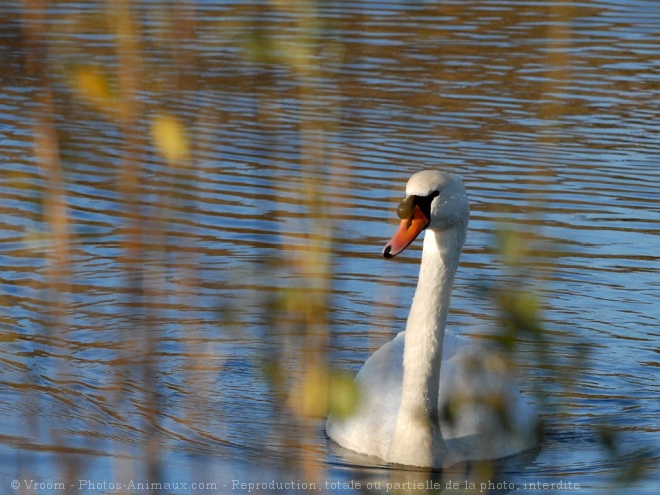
<point x="412" y="410"/>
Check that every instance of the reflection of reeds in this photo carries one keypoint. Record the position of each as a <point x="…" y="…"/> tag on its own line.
<point x="56" y="221"/>
<point x="46" y="146"/>
<point x="300" y="314"/>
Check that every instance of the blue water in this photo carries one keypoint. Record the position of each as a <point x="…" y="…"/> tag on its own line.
<point x="171" y="349"/>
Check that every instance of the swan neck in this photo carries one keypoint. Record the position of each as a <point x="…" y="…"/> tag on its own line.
<point x="436" y="277"/>
<point x="418" y="418"/>
<point x="425" y="328"/>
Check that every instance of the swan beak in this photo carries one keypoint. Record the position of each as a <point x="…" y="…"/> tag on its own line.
<point x="409" y="229"/>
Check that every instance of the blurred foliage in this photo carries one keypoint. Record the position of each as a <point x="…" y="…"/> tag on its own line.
<point x="527" y="261"/>
<point x="169" y="137"/>
<point x="91" y="84"/>
<point x="113" y="82"/>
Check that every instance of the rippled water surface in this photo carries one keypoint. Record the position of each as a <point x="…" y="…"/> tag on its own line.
<point x="194" y="196"/>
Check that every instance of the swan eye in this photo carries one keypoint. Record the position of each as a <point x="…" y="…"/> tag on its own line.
<point x="424" y="202"/>
<point x="405" y="207"/>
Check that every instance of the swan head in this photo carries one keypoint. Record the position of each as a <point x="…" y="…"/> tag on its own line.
<point x="435" y="201"/>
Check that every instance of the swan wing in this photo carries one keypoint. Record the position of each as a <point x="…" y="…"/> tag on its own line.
<point x="483" y="414"/>
<point x="369" y="429"/>
<point x="479" y="399"/>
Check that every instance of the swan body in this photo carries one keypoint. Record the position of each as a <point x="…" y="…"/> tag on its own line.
<point x="430" y="398"/>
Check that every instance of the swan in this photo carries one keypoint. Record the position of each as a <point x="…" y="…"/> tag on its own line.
<point x="429" y="398"/>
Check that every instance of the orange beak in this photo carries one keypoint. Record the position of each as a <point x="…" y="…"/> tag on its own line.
<point x="409" y="229"/>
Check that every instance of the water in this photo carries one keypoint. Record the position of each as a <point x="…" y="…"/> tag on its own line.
<point x="168" y="347"/>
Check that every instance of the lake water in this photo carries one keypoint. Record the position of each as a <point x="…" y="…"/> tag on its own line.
<point x="193" y="200"/>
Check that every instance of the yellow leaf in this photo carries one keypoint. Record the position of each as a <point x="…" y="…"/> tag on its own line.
<point x="92" y="85"/>
<point x="169" y="137"/>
